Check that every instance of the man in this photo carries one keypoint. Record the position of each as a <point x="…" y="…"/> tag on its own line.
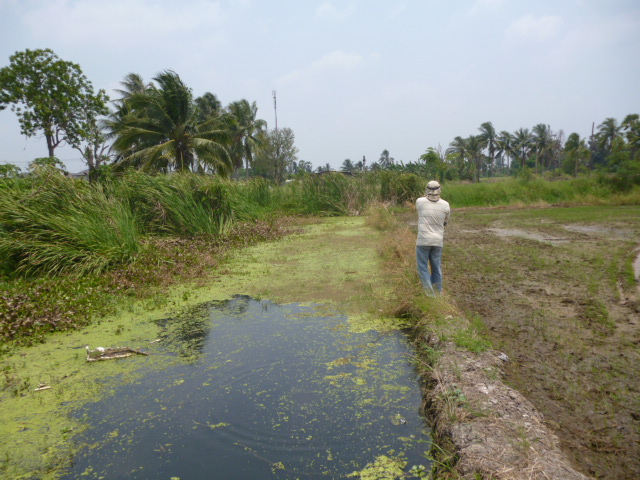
<point x="433" y="215"/>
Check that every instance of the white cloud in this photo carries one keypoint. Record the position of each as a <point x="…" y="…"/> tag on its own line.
<point x="328" y="11"/>
<point x="331" y="62"/>
<point x="530" y="28"/>
<point x="121" y="23"/>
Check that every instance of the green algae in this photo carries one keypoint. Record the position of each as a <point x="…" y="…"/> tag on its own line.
<point x="333" y="262"/>
<point x="293" y="408"/>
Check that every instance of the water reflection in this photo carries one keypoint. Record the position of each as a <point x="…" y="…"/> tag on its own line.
<point x="282" y="391"/>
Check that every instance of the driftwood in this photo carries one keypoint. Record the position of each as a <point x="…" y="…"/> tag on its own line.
<point x="101" y="353"/>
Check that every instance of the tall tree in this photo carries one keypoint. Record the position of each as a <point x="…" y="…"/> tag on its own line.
<point x="303" y="166"/>
<point x="347" y="166"/>
<point x="277" y="154"/>
<point x="474" y="149"/>
<point x="607" y="132"/>
<point x="488" y="140"/>
<point x="522" y="142"/>
<point x="576" y="153"/>
<point x="160" y="130"/>
<point x="432" y="164"/>
<point x="504" y="149"/>
<point x="631" y="126"/>
<point x="542" y="139"/>
<point x="246" y="132"/>
<point x="208" y="107"/>
<point x="458" y="155"/>
<point x="51" y="96"/>
<point x="385" y="161"/>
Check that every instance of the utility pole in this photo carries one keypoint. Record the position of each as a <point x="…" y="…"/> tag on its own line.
<point x="275" y="109"/>
<point x="277" y="172"/>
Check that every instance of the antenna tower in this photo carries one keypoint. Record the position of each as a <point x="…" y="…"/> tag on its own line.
<point x="275" y="108"/>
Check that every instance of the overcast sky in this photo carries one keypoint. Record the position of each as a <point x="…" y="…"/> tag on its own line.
<point x="353" y="77"/>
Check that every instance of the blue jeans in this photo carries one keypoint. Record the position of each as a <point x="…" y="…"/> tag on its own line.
<point x="429" y="261"/>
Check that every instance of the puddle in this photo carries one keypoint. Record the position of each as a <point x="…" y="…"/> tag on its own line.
<point x="596" y="230"/>
<point x="512" y="232"/>
<point x="264" y="391"/>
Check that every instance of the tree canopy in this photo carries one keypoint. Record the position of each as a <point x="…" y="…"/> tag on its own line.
<point x="50" y="96"/>
<point x="161" y="127"/>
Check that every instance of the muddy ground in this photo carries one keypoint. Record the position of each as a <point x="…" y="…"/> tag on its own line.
<point x="555" y="290"/>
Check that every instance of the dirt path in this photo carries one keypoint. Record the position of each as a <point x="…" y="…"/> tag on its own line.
<point x="554" y="289"/>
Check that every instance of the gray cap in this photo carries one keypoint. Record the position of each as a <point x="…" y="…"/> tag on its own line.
<point x="433" y="185"/>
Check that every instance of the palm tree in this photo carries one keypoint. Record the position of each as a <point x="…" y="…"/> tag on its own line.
<point x="247" y="129"/>
<point x="608" y="131"/>
<point x="576" y="151"/>
<point x="458" y="153"/>
<point x="488" y="140"/>
<point x="474" y="150"/>
<point x="542" y="139"/>
<point x="160" y="130"/>
<point x="133" y="84"/>
<point x="522" y="141"/>
<point x="208" y="107"/>
<point x="631" y="126"/>
<point x="385" y="160"/>
<point x="504" y="148"/>
<point x="347" y="166"/>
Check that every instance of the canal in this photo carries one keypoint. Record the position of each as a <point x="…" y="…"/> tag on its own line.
<point x="260" y="390"/>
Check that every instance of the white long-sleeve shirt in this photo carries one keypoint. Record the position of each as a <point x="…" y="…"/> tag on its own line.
<point x="432" y="216"/>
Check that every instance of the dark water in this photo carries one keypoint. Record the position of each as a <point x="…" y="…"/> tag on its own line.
<point x="266" y="391"/>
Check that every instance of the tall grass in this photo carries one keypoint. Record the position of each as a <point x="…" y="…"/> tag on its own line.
<point x="55" y="225"/>
<point x="181" y="204"/>
<point x="51" y="224"/>
<point x="329" y="194"/>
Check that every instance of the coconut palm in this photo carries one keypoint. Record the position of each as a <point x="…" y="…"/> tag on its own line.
<point x="608" y="131"/>
<point x="475" y="147"/>
<point x="386" y="161"/>
<point x="542" y="139"/>
<point x="131" y="85"/>
<point x="208" y="107"/>
<point x="246" y="132"/>
<point x="576" y="152"/>
<point x="160" y="130"/>
<point x="457" y="153"/>
<point x="347" y="166"/>
<point x="504" y="148"/>
<point x="488" y="140"/>
<point x="522" y="142"/>
<point x="631" y="126"/>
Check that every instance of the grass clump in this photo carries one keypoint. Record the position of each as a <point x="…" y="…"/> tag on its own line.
<point x="55" y="226"/>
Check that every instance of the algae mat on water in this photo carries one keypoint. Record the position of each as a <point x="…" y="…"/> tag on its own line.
<point x="333" y="261"/>
<point x="269" y="389"/>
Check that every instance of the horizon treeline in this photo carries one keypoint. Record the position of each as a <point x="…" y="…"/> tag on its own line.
<point x="160" y="126"/>
<point x="613" y="148"/>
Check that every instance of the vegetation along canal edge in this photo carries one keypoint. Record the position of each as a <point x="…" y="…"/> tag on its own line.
<point x="295" y="269"/>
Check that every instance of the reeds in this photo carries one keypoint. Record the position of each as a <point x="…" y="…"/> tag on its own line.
<point x="55" y="225"/>
<point x="50" y="224"/>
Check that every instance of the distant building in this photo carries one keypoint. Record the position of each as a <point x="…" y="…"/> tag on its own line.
<point x="83" y="175"/>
